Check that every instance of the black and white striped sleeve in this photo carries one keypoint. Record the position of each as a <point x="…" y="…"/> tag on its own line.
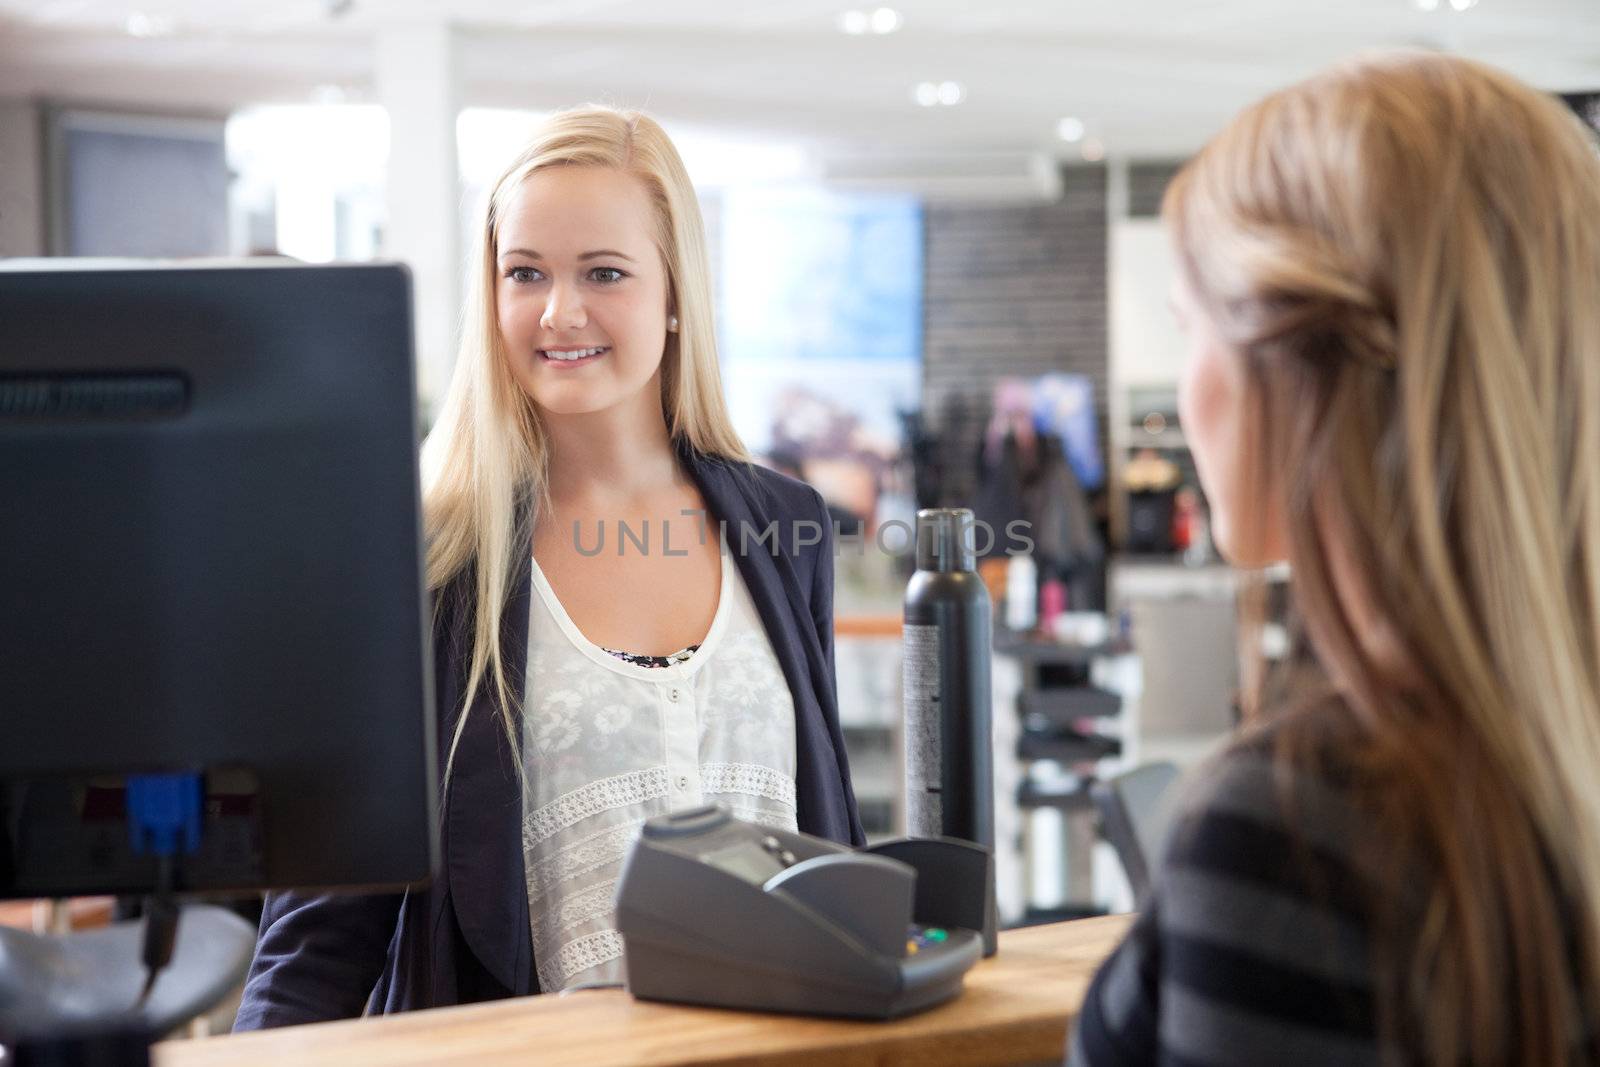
<point x="1253" y="947"/>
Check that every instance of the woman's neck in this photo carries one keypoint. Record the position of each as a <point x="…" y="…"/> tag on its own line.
<point x="618" y="454"/>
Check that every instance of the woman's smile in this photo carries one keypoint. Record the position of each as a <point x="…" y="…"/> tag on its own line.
<point x="573" y="357"/>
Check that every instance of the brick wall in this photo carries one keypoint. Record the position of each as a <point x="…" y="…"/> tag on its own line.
<point x="1010" y="290"/>
<point x="1147" y="184"/>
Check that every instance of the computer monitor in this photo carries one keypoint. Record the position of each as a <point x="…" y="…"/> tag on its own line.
<point x="210" y="562"/>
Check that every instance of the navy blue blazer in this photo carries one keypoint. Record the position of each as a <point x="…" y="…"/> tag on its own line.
<point x="466" y="937"/>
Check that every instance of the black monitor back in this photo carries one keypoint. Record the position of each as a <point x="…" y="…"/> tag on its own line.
<point x="210" y="561"/>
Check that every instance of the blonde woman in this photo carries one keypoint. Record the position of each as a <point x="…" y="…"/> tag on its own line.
<point x="1391" y="289"/>
<point x="630" y="617"/>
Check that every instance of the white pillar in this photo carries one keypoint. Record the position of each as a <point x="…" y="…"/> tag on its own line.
<point x="417" y="82"/>
<point x="22" y="206"/>
<point x="1117" y="195"/>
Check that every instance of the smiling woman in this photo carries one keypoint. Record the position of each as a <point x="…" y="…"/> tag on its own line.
<point x="581" y="692"/>
<point x="582" y="287"/>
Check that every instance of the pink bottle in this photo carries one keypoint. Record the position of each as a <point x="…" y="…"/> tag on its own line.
<point x="1052" y="602"/>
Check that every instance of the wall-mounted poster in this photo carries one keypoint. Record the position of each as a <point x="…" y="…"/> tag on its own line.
<point x="135" y="185"/>
<point x="821" y="324"/>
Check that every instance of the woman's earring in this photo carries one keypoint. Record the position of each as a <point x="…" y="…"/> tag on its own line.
<point x="672" y="324"/>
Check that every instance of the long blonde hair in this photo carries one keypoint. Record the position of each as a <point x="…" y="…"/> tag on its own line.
<point x="1406" y="251"/>
<point x="484" y="464"/>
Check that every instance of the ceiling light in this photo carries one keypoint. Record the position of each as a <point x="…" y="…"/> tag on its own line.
<point x="855" y="23"/>
<point x="1463" y="5"/>
<point x="1093" y="150"/>
<point x="143" y="25"/>
<point x="1070" y="130"/>
<point x="885" y="20"/>
<point x="1428" y="5"/>
<point x="932" y="94"/>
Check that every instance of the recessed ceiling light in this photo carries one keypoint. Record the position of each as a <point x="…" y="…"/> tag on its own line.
<point x="855" y="23"/>
<point x="1463" y="5"/>
<point x="1428" y="5"/>
<point x="1093" y="150"/>
<point x="935" y="94"/>
<point x="1070" y="129"/>
<point x="885" y="20"/>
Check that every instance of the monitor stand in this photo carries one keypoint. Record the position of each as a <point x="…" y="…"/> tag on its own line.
<point x="77" y="995"/>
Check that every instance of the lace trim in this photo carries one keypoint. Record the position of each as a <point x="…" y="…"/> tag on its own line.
<point x="776" y="819"/>
<point x="563" y="913"/>
<point x="591" y="853"/>
<point x="589" y="951"/>
<point x="750" y="779"/>
<point x="607" y="794"/>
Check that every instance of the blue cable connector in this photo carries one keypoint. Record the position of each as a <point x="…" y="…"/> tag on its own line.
<point x="164" y="812"/>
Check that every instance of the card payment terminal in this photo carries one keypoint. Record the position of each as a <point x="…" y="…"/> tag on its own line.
<point x="717" y="911"/>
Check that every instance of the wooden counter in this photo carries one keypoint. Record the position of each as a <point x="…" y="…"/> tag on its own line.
<point x="1015" y="1010"/>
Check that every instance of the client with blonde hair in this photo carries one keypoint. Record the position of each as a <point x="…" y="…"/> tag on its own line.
<point x="1390" y="283"/>
<point x="603" y="653"/>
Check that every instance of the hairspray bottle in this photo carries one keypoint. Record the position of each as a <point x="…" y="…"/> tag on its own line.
<point x="947" y="645"/>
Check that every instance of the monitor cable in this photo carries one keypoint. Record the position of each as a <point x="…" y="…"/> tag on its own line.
<point x="164" y="818"/>
<point x="160" y="926"/>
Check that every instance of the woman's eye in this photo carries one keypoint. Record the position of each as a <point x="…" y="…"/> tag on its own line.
<point x="607" y="275"/>
<point x="523" y="275"/>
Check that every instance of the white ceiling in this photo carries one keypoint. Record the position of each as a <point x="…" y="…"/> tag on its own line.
<point x="1148" y="77"/>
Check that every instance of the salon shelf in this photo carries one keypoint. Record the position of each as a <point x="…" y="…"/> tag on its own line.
<point x="1037" y="651"/>
<point x="1062" y="707"/>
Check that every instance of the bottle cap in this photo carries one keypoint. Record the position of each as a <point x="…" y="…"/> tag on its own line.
<point x="946" y="539"/>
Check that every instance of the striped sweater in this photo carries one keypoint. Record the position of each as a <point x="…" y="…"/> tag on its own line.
<point x="1254" y="947"/>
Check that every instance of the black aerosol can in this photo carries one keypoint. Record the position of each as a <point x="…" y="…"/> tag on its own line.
<point x="949" y="752"/>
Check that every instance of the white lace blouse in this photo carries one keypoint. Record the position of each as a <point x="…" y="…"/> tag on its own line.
<point x="608" y="744"/>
